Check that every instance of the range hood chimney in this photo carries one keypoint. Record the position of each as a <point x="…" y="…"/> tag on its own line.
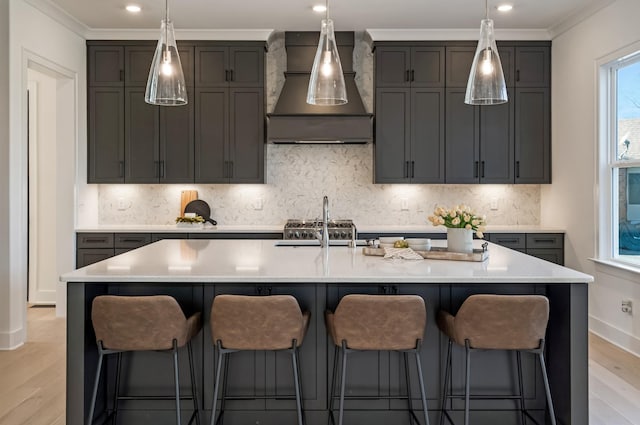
<point x="295" y="121"/>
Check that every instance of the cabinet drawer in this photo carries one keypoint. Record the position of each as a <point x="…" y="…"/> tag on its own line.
<point x="94" y="240"/>
<point x="86" y="256"/>
<point x="552" y="255"/>
<point x="131" y="240"/>
<point x="510" y="240"/>
<point x="545" y="240"/>
<point x="160" y="236"/>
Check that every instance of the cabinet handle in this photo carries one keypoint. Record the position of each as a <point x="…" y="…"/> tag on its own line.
<point x="475" y="169"/>
<point x="132" y="240"/>
<point x="413" y="75"/>
<point x="413" y="168"/>
<point x="162" y="169"/>
<point x="95" y="240"/>
<point x="121" y="168"/>
<point x="232" y="76"/>
<point x="507" y="241"/>
<point x="406" y="76"/>
<point x="122" y="75"/>
<point x="517" y="75"/>
<point x="517" y="169"/>
<point x="482" y="169"/>
<point x="536" y="240"/>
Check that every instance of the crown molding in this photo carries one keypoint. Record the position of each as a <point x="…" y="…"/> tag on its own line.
<point x="59" y="15"/>
<point x="566" y="24"/>
<point x="454" y="34"/>
<point x="187" y="34"/>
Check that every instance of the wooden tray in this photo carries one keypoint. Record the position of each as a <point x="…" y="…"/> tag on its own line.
<point x="439" y="253"/>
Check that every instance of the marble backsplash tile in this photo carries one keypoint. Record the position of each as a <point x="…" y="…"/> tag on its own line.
<point x="298" y="176"/>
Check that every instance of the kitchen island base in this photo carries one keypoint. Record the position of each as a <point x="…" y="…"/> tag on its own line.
<point x="370" y="374"/>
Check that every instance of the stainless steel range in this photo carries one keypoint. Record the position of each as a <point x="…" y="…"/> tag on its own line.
<point x="306" y="229"/>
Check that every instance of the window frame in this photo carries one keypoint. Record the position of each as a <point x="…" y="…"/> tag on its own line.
<point x="607" y="188"/>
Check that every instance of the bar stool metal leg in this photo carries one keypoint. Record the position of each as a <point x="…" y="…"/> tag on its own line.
<point x="333" y="384"/>
<point x="176" y="380"/>
<point x="196" y="405"/>
<point x="343" y="381"/>
<point x="408" y="382"/>
<point x="523" y="417"/>
<point x="116" y="392"/>
<point x="216" y="387"/>
<point x="546" y="385"/>
<point x="296" y="379"/>
<point x="422" y="391"/>
<point x="94" y="395"/>
<point x="467" y="381"/>
<point x="445" y="390"/>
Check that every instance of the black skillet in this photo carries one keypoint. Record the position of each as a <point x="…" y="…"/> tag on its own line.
<point x="201" y="208"/>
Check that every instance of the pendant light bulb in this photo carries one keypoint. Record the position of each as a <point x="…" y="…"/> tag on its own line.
<point x="486" y="85"/>
<point x="326" y="84"/>
<point x="166" y="85"/>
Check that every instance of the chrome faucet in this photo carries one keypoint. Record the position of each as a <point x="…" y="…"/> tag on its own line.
<point x="323" y="236"/>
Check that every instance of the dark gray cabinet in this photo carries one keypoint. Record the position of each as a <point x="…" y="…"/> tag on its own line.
<point x="131" y="141"/>
<point x="496" y="143"/>
<point x="229" y="66"/>
<point x="229" y="135"/>
<point x="462" y="139"/>
<point x="533" y="66"/>
<point x="548" y="246"/>
<point x="415" y="66"/>
<point x="533" y="135"/>
<point x="106" y="134"/>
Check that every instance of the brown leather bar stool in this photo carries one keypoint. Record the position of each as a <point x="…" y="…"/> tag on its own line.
<point x="377" y="323"/>
<point x="497" y="322"/>
<point x="255" y="323"/>
<point x="143" y="323"/>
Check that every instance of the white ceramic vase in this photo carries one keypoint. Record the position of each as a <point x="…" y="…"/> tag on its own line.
<point x="459" y="240"/>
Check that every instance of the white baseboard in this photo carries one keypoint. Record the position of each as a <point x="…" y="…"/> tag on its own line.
<point x="615" y="336"/>
<point x="12" y="340"/>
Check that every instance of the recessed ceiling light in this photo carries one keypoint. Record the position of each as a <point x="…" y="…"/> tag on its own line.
<point x="133" y="8"/>
<point x="505" y="7"/>
<point x="320" y="8"/>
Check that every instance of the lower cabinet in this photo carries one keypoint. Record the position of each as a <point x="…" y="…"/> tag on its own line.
<point x="547" y="246"/>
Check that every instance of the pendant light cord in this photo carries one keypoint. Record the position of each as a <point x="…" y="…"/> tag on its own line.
<point x="326" y="6"/>
<point x="166" y="25"/>
<point x="486" y="9"/>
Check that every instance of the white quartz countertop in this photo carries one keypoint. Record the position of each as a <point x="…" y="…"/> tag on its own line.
<point x="382" y="228"/>
<point x="261" y="261"/>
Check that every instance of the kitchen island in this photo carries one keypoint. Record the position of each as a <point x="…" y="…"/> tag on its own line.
<point x="195" y="271"/>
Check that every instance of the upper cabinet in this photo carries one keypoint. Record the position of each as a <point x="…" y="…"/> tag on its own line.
<point x="418" y="66"/>
<point x="231" y="66"/>
<point x="130" y="141"/>
<point x="461" y="144"/>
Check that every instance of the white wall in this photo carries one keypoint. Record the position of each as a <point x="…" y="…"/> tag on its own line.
<point x="37" y="37"/>
<point x="5" y="248"/>
<point x="571" y="201"/>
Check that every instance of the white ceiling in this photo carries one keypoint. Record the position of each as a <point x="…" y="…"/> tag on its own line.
<point x="347" y="14"/>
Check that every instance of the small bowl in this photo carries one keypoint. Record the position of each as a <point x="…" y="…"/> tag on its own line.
<point x="389" y="239"/>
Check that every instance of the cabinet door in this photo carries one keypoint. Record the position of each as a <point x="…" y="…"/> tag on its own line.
<point x="462" y="139"/>
<point x="427" y="136"/>
<point x="507" y="58"/>
<point x="87" y="256"/>
<point x="533" y="136"/>
<point x="106" y="135"/>
<point x="211" y="66"/>
<point x="533" y="66"/>
<point x="246" y="66"/>
<point x="187" y="61"/>
<point x="496" y="143"/>
<point x="246" y="136"/>
<point x="142" y="138"/>
<point x="137" y="64"/>
<point x="392" y="135"/>
<point x="427" y="67"/>
<point x="393" y="66"/>
<point x="106" y="66"/>
<point x="211" y="135"/>
<point x="459" y="60"/>
<point x="177" y="143"/>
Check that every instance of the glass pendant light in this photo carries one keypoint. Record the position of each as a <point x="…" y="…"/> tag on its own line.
<point x="326" y="85"/>
<point x="486" y="84"/>
<point x="166" y="85"/>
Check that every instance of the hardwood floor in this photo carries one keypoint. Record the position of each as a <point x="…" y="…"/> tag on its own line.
<point x="33" y="378"/>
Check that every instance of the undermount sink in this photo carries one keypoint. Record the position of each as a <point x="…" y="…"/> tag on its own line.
<point x="294" y="242"/>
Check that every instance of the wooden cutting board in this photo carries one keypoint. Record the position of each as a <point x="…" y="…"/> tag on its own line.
<point x="186" y="197"/>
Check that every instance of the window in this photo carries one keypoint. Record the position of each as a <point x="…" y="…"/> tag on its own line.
<point x="620" y="118"/>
